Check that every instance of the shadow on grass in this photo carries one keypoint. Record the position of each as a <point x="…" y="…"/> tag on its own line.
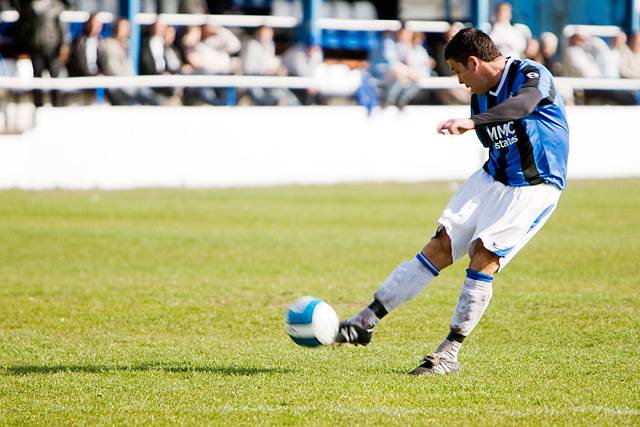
<point x="220" y="370"/>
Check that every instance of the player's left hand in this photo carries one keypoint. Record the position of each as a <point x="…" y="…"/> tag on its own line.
<point x="455" y="126"/>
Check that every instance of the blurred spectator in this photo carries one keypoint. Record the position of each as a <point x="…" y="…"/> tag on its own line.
<point x="442" y="67"/>
<point x="43" y="34"/>
<point x="533" y="52"/>
<point x="115" y="61"/>
<point x="618" y="45"/>
<point x="158" y="55"/>
<point x="304" y="61"/>
<point x="418" y="58"/>
<point x="336" y="79"/>
<point x="510" y="40"/>
<point x="190" y="38"/>
<point x="259" y="58"/>
<point x="172" y="55"/>
<point x="448" y="96"/>
<point x="630" y="58"/>
<point x="194" y="52"/>
<point x="414" y="55"/>
<point x="259" y="55"/>
<point x="548" y="49"/>
<point x="591" y="57"/>
<point x="84" y="57"/>
<point x="152" y="51"/>
<point x="389" y="63"/>
<point x="215" y="49"/>
<point x="383" y="55"/>
<point x="584" y="56"/>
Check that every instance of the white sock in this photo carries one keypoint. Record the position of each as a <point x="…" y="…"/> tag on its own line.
<point x="403" y="284"/>
<point x="473" y="301"/>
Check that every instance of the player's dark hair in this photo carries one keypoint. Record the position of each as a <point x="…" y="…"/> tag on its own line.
<point x="471" y="42"/>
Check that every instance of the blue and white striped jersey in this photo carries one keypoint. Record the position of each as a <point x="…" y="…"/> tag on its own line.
<point x="533" y="149"/>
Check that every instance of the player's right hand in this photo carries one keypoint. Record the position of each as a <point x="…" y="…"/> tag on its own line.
<point x="455" y="126"/>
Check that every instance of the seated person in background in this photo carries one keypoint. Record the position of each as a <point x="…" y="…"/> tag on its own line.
<point x="307" y="60"/>
<point x="456" y="95"/>
<point x="152" y="61"/>
<point x="579" y="58"/>
<point x="548" y="50"/>
<point x="533" y="52"/>
<point x="202" y="59"/>
<point x="591" y="57"/>
<point x="259" y="58"/>
<point x="630" y="58"/>
<point x="190" y="38"/>
<point x="84" y="57"/>
<point x="304" y="61"/>
<point x="389" y="64"/>
<point x="159" y="56"/>
<point x="172" y="54"/>
<point x="417" y="58"/>
<point x="115" y="62"/>
<point x="509" y="39"/>
<point x="216" y="48"/>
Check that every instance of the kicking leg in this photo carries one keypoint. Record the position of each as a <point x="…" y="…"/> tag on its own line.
<point x="404" y="283"/>
<point x="473" y="301"/>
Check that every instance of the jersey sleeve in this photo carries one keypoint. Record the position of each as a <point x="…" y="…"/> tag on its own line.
<point x="534" y="76"/>
<point x="515" y="107"/>
<point x="532" y="87"/>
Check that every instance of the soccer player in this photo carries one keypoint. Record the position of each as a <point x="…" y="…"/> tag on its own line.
<point x="518" y="115"/>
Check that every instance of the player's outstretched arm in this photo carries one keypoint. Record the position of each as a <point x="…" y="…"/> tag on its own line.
<point x="513" y="108"/>
<point x="455" y="126"/>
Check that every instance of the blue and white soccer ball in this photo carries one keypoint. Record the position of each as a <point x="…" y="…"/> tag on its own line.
<point x="311" y="322"/>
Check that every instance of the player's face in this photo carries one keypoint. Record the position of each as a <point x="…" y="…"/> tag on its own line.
<point x="468" y="75"/>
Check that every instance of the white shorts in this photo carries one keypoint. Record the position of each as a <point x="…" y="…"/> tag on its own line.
<point x="504" y="218"/>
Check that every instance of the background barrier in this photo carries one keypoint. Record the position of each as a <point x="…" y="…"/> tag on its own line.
<point x="244" y="81"/>
<point x="128" y="147"/>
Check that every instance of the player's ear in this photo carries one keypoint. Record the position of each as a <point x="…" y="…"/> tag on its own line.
<point x="473" y="63"/>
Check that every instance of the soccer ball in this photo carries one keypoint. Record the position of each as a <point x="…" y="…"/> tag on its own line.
<point x="311" y="322"/>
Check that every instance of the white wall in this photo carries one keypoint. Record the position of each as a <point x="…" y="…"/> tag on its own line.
<point x="128" y="147"/>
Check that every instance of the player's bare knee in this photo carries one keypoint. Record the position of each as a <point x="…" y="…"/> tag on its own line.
<point x="483" y="260"/>
<point x="438" y="250"/>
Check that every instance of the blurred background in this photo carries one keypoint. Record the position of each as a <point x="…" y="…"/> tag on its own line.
<point x="261" y="92"/>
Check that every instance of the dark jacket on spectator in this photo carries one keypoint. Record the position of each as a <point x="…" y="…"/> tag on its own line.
<point x="78" y="62"/>
<point x="172" y="60"/>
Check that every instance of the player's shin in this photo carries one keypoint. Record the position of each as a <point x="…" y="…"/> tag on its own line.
<point x="404" y="283"/>
<point x="473" y="301"/>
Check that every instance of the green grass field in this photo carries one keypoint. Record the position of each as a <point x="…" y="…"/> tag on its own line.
<point x="166" y="307"/>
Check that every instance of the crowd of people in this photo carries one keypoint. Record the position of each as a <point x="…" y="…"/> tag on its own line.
<point x="397" y="65"/>
<point x="578" y="55"/>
